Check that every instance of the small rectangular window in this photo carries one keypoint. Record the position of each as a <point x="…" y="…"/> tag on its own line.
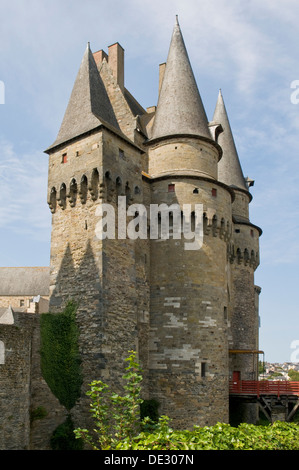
<point x="214" y="192"/>
<point x="22" y="303"/>
<point x="171" y="188"/>
<point x="121" y="154"/>
<point x="203" y="369"/>
<point x="2" y="353"/>
<point x="225" y="313"/>
<point x="64" y="158"/>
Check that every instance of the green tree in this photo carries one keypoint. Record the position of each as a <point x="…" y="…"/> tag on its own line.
<point x="262" y="367"/>
<point x="293" y="374"/>
<point x="116" y="417"/>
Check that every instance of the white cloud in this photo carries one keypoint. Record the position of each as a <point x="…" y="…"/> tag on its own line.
<point x="23" y="183"/>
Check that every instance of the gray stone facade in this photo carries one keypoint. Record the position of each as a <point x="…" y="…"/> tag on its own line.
<point x="191" y="315"/>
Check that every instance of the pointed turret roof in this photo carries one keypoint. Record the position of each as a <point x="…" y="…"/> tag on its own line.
<point x="180" y="109"/>
<point x="89" y="105"/>
<point x="229" y="167"/>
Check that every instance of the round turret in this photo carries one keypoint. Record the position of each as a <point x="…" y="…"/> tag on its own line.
<point x="189" y="295"/>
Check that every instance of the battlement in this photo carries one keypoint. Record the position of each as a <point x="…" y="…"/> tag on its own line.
<point x="153" y="175"/>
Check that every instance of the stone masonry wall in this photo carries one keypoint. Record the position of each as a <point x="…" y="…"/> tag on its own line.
<point x="188" y="348"/>
<point x="107" y="277"/>
<point x="15" y="383"/>
<point x="29" y="412"/>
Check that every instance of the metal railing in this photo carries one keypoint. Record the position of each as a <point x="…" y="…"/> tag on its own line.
<point x="264" y="387"/>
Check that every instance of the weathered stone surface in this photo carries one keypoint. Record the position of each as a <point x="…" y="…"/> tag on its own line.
<point x="183" y="311"/>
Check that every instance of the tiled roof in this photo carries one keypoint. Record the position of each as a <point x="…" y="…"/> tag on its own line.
<point x="29" y="281"/>
<point x="229" y="167"/>
<point x="89" y="105"/>
<point x="180" y="109"/>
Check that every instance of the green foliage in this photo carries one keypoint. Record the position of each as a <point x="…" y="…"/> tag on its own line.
<point x="278" y="436"/>
<point x="293" y="374"/>
<point x="117" y="425"/>
<point x="60" y="354"/>
<point x="38" y="413"/>
<point x="63" y="437"/>
<point x="262" y="367"/>
<point x="149" y="408"/>
<point x="116" y="417"/>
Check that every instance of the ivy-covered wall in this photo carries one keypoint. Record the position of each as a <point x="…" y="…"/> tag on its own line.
<point x="60" y="360"/>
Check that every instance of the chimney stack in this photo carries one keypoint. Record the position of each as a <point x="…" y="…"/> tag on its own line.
<point x="116" y="63"/>
<point x="99" y="57"/>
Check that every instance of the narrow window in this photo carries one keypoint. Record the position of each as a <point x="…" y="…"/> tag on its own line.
<point x="64" y="158"/>
<point x="203" y="369"/>
<point x="22" y="303"/>
<point x="251" y="233"/>
<point x="225" y="313"/>
<point x="171" y="188"/>
<point x="94" y="186"/>
<point x="83" y="189"/>
<point x="2" y="353"/>
<point x="121" y="154"/>
<point x="214" y="192"/>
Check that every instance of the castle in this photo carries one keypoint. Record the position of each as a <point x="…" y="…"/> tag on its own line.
<point x="188" y="306"/>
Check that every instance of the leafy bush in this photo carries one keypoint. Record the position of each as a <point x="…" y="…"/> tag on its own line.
<point x="116" y="417"/>
<point x="278" y="436"/>
<point x="118" y="425"/>
<point x="293" y="374"/>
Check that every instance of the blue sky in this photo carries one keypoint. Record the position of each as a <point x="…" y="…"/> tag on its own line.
<point x="248" y="49"/>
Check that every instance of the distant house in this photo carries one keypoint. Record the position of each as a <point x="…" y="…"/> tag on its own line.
<point x="23" y="289"/>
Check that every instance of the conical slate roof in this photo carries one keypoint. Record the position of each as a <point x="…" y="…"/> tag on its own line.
<point x="89" y="105"/>
<point x="229" y="167"/>
<point x="180" y="109"/>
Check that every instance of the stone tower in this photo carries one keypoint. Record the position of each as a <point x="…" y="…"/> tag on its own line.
<point x="185" y="310"/>
<point x="189" y="341"/>
<point x="244" y="253"/>
<point x="92" y="162"/>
